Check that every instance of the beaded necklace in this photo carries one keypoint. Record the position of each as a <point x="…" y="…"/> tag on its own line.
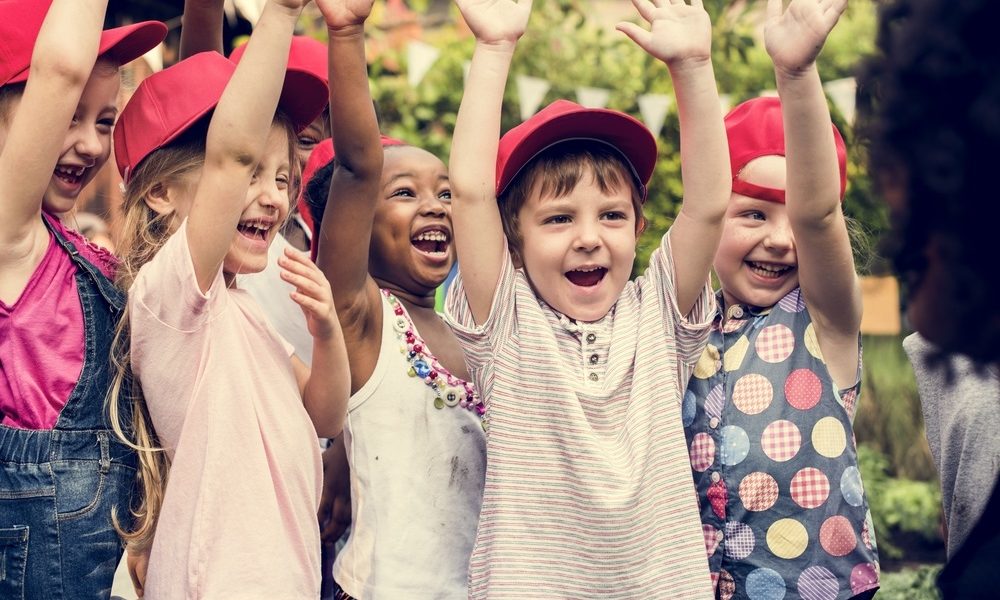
<point x="449" y="390"/>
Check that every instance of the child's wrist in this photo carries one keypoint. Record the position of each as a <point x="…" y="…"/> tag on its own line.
<point x="688" y="64"/>
<point x="497" y="46"/>
<point x="346" y="31"/>
<point x="794" y="73"/>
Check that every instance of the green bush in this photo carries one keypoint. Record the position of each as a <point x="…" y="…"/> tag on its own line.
<point x="910" y="584"/>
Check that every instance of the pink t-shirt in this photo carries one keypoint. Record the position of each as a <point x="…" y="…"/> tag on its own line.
<point x="239" y="515"/>
<point x="42" y="337"/>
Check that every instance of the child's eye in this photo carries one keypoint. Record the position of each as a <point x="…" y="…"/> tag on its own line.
<point x="557" y="220"/>
<point x="306" y="143"/>
<point x="615" y="215"/>
<point x="756" y="215"/>
<point x="403" y="193"/>
<point x="106" y="123"/>
<point x="282" y="181"/>
<point x="445" y="195"/>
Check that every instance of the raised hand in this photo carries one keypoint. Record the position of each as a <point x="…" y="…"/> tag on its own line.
<point x="312" y="292"/>
<point x="295" y="5"/>
<point x="678" y="31"/>
<point x="794" y="37"/>
<point x="344" y="13"/>
<point x="496" y="21"/>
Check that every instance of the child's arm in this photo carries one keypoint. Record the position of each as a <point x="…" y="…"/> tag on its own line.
<point x="63" y="58"/>
<point x="201" y="27"/>
<point x="327" y="387"/>
<point x="345" y="233"/>
<point x="825" y="262"/>
<point x="479" y="238"/>
<point x="681" y="36"/>
<point x="236" y="138"/>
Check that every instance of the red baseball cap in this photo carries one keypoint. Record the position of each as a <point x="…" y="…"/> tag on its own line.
<point x="168" y="103"/>
<point x="564" y="121"/>
<point x="20" y="21"/>
<point x="755" y="129"/>
<point x="322" y="154"/>
<point x="305" y="55"/>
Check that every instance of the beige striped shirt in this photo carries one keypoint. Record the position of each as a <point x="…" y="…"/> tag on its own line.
<point x="588" y="484"/>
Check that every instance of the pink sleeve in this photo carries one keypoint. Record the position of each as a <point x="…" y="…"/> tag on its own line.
<point x="167" y="288"/>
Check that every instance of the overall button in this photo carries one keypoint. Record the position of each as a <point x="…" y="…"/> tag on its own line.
<point x="719" y="535"/>
<point x="716" y="477"/>
<point x="591" y="338"/>
<point x="593" y="377"/>
<point x="713" y="422"/>
<point x="736" y="312"/>
<point x="594" y="358"/>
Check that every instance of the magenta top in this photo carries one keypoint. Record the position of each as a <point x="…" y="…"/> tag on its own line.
<point x="42" y="336"/>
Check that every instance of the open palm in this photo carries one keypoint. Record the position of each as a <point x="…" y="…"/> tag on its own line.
<point x="678" y="30"/>
<point x="496" y="20"/>
<point x="794" y="37"/>
<point x="343" y="13"/>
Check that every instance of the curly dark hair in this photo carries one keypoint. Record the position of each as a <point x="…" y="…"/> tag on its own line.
<point x="929" y="107"/>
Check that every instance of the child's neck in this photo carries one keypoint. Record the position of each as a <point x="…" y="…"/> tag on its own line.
<point x="412" y="300"/>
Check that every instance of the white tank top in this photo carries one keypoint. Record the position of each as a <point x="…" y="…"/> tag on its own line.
<point x="418" y="465"/>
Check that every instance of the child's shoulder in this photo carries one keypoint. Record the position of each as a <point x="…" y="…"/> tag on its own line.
<point x="103" y="259"/>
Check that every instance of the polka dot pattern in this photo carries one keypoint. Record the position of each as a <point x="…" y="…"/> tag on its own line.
<point x="792" y="302"/>
<point x="735" y="445"/>
<point x="752" y="393"/>
<point x="712" y="538"/>
<point x="781" y="441"/>
<point x="850" y="402"/>
<point x="810" y="488"/>
<point x="708" y="363"/>
<point x="739" y="540"/>
<point x="866" y="532"/>
<point x="702" y="452"/>
<point x="727" y="587"/>
<point x="803" y="389"/>
<point x="715" y="402"/>
<point x="689" y="408"/>
<point x="718" y="496"/>
<point x="737" y="352"/>
<point x="863" y="577"/>
<point x="774" y="343"/>
<point x="837" y="537"/>
<point x="787" y="538"/>
<point x="829" y="438"/>
<point x="758" y="491"/>
<point x="818" y="583"/>
<point x="850" y="486"/>
<point x="765" y="584"/>
<point x="812" y="343"/>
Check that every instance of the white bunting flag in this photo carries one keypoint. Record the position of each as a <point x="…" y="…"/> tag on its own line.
<point x="420" y="58"/>
<point x="843" y="93"/>
<point x="250" y="9"/>
<point x="726" y="100"/>
<point x="768" y="94"/>
<point x="154" y="58"/>
<point x="531" y="91"/>
<point x="592" y="97"/>
<point x="653" y="108"/>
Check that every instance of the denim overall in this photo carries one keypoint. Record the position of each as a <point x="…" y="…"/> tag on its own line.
<point x="58" y="487"/>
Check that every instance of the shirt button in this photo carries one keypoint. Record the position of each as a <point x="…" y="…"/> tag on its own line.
<point x="713" y="422"/>
<point x="594" y="358"/>
<point x="591" y="338"/>
<point x="716" y="477"/>
<point x="719" y="535"/>
<point x="594" y="377"/>
<point x="736" y="312"/>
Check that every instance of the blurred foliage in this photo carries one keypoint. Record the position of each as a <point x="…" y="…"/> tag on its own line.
<point x="570" y="50"/>
<point x="910" y="584"/>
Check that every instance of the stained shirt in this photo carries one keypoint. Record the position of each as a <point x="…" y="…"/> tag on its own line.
<point x="588" y="493"/>
<point x="773" y="455"/>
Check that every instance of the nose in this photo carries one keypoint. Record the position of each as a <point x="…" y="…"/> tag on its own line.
<point x="588" y="236"/>
<point x="89" y="142"/>
<point x="433" y="206"/>
<point x="270" y="195"/>
<point x="779" y="237"/>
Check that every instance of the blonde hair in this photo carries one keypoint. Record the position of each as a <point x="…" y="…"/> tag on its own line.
<point x="143" y="232"/>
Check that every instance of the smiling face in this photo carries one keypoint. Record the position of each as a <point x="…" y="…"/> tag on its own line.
<point x="87" y="144"/>
<point x="756" y="262"/>
<point x="411" y="244"/>
<point x="577" y="249"/>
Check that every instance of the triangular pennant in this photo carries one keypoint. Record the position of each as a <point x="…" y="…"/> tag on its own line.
<point x="592" y="97"/>
<point x="843" y="93"/>
<point x="726" y="100"/>
<point x="154" y="58"/>
<point x="768" y="94"/>
<point x="653" y="108"/>
<point x="531" y="91"/>
<point x="420" y="58"/>
<point x="250" y="9"/>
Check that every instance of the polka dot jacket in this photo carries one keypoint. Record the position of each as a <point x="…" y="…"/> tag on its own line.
<point x="774" y="460"/>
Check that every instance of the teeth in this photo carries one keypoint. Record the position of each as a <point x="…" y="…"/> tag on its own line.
<point x="431" y="236"/>
<point x="770" y="268"/>
<point x="587" y="269"/>
<point x="258" y="226"/>
<point x="73" y="171"/>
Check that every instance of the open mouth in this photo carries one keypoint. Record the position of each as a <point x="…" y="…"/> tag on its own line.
<point x="255" y="229"/>
<point x="433" y="242"/>
<point x="768" y="270"/>
<point x="72" y="175"/>
<point x="586" y="276"/>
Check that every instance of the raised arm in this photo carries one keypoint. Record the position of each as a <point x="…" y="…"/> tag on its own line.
<point x="201" y="27"/>
<point x="236" y="138"/>
<point x="794" y="38"/>
<point x="479" y="238"/>
<point x="681" y="36"/>
<point x="344" y="237"/>
<point x="63" y="58"/>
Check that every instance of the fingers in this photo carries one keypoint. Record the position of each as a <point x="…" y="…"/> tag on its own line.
<point x="645" y="8"/>
<point x="774" y="8"/>
<point x="637" y="34"/>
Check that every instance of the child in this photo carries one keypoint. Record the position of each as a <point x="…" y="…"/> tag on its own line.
<point x="62" y="473"/>
<point x="413" y="436"/>
<point x="769" y="409"/>
<point x="238" y="515"/>
<point x="587" y="491"/>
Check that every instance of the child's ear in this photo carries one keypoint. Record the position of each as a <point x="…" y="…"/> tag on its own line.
<point x="160" y="200"/>
<point x="640" y="227"/>
<point x="515" y="256"/>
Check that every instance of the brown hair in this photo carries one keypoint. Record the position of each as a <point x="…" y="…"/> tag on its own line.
<point x="557" y="171"/>
<point x="143" y="232"/>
